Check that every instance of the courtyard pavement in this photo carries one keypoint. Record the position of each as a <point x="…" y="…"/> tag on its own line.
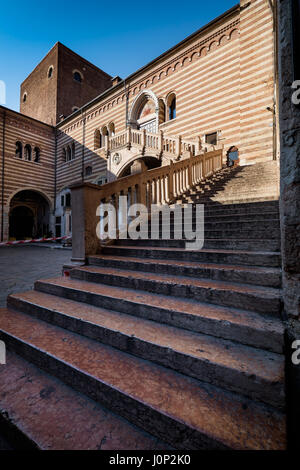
<point x="21" y="266"/>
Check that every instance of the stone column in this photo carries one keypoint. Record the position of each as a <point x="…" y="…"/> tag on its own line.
<point x="289" y="165"/>
<point x="289" y="120"/>
<point x="85" y="200"/>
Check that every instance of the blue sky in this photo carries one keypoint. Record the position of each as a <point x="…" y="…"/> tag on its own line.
<point x="117" y="36"/>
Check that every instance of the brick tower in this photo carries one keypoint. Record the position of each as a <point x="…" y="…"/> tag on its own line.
<point x="61" y="83"/>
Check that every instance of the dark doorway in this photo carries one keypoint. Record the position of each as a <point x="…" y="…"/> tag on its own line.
<point x="29" y="215"/>
<point x="21" y="222"/>
<point x="233" y="156"/>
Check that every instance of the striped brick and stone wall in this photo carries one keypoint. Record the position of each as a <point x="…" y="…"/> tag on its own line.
<point x="19" y="174"/>
<point x="223" y="80"/>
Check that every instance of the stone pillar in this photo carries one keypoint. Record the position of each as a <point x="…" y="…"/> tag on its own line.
<point x="289" y="165"/>
<point x="85" y="200"/>
<point x="289" y="120"/>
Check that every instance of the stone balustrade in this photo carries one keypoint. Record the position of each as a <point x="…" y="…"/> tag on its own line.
<point x="159" y="142"/>
<point x="160" y="185"/>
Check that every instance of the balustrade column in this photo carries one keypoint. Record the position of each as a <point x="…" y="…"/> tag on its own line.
<point x="128" y="137"/>
<point x="189" y="174"/>
<point x="178" y="146"/>
<point x="143" y="140"/>
<point x="170" y="191"/>
<point x="161" y="142"/>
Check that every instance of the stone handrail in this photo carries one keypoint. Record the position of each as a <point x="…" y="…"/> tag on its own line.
<point x="160" y="185"/>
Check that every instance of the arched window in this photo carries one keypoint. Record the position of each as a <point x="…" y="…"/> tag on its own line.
<point x="19" y="149"/>
<point x="24" y="97"/>
<point x="144" y="112"/>
<point x="88" y="171"/>
<point x="27" y="149"/>
<point x="64" y="155"/>
<point x="97" y="139"/>
<point x="104" y="132"/>
<point x="50" y="72"/>
<point x="77" y="77"/>
<point x="233" y="156"/>
<point x="69" y="153"/>
<point x="111" y="129"/>
<point x="171" y="106"/>
<point x="73" y="150"/>
<point x="37" y="154"/>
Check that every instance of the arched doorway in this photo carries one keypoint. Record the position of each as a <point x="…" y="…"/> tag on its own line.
<point x="21" y="222"/>
<point x="29" y="215"/>
<point x="133" y="167"/>
<point x="144" y="113"/>
<point x="233" y="156"/>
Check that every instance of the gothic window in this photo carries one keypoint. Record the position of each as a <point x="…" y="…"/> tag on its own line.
<point x="37" y="154"/>
<point x="172" y="107"/>
<point x="19" y="149"/>
<point x="73" y="151"/>
<point x="27" y="149"/>
<point x="69" y="153"/>
<point x="24" y="97"/>
<point x="88" y="171"/>
<point x="97" y="139"/>
<point x="111" y="129"/>
<point x="104" y="132"/>
<point x="50" y="72"/>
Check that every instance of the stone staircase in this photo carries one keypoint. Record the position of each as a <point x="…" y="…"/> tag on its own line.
<point x="239" y="184"/>
<point x="152" y="346"/>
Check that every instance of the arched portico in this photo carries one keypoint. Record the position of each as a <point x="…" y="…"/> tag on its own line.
<point x="146" y="162"/>
<point x="29" y="214"/>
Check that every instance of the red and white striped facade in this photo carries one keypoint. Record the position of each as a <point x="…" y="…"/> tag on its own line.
<point x="223" y="80"/>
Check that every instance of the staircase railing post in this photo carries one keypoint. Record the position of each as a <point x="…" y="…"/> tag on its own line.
<point x="199" y="145"/>
<point x="161" y="142"/>
<point x="106" y="140"/>
<point x="190" y="183"/>
<point x="178" y="146"/>
<point x="85" y="201"/>
<point x="170" y="182"/>
<point x="128" y="137"/>
<point x="143" y="140"/>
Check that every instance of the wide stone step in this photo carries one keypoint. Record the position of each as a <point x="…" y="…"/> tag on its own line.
<point x="214" y="225"/>
<point x="245" y="274"/>
<point x="38" y="411"/>
<point x="242" y="326"/>
<point x="219" y="233"/>
<point x="256" y="218"/>
<point x="238" y="257"/>
<point x="203" y="199"/>
<point x="265" y="216"/>
<point x="214" y="244"/>
<point x="250" y="208"/>
<point x="186" y="413"/>
<point x="259" y="299"/>
<point x="252" y="372"/>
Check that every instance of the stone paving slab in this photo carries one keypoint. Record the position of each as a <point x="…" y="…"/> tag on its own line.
<point x="21" y="266"/>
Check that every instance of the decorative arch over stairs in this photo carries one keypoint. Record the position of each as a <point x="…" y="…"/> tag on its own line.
<point x="144" y="111"/>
